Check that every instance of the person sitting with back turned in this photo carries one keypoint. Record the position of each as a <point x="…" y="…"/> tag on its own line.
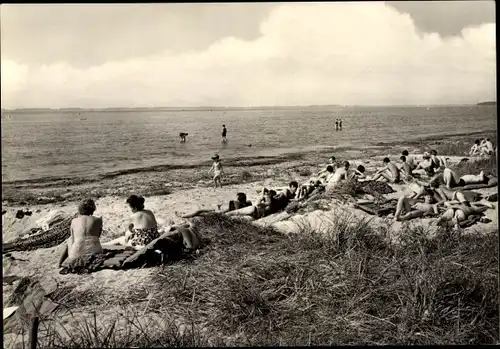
<point x="390" y="172"/>
<point x="475" y="149"/>
<point x="323" y="173"/>
<point x="409" y="159"/>
<point x="85" y="233"/>
<point x="338" y="176"/>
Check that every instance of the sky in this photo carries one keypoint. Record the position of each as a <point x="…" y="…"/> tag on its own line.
<point x="247" y="54"/>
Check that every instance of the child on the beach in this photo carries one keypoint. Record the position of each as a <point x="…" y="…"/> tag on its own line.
<point x="217" y="168"/>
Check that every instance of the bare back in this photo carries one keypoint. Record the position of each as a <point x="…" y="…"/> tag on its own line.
<point x="394" y="170"/>
<point x="144" y="219"/>
<point x="85" y="226"/>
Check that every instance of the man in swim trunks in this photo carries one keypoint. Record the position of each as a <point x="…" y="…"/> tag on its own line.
<point x="487" y="148"/>
<point x="409" y="159"/>
<point x="405" y="167"/>
<point x="390" y="172"/>
<point x="323" y="173"/>
<point x="85" y="233"/>
<point x="459" y="212"/>
<point x="407" y="208"/>
<point x="358" y="173"/>
<point x="451" y="179"/>
<point x="452" y="197"/>
<point x="475" y="149"/>
<point x="218" y="172"/>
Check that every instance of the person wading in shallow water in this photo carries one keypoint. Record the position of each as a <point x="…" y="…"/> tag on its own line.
<point x="224" y="133"/>
<point x="336" y="124"/>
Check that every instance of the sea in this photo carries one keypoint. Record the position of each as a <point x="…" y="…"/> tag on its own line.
<point x="61" y="144"/>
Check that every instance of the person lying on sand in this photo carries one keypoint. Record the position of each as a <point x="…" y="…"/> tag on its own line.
<point x="390" y="172"/>
<point x="267" y="205"/>
<point x="416" y="187"/>
<point x="339" y="175"/>
<point x="85" y="233"/>
<point x="475" y="149"/>
<point x="450" y="197"/>
<point x="459" y="212"/>
<point x="451" y="179"/>
<point x="240" y="202"/>
<point x="143" y="227"/>
<point x="407" y="208"/>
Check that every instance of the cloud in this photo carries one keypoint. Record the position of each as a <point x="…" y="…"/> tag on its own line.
<point x="338" y="53"/>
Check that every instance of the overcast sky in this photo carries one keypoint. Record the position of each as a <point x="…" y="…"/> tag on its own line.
<point x="247" y="54"/>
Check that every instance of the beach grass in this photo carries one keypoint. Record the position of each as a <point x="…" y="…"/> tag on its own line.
<point x="350" y="285"/>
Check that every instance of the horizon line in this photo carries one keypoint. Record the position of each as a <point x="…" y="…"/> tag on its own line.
<point x="248" y="107"/>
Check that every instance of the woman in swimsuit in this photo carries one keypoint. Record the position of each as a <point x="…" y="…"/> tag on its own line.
<point x="218" y="172"/>
<point x="85" y="233"/>
<point x="143" y="227"/>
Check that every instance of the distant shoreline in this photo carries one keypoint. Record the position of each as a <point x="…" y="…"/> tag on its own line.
<point x="218" y="108"/>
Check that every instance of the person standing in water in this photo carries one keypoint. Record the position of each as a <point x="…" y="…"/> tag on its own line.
<point x="340" y="124"/>
<point x="336" y="124"/>
<point x="224" y="133"/>
<point x="218" y="172"/>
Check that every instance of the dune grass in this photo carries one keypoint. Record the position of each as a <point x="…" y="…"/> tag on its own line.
<point x="253" y="286"/>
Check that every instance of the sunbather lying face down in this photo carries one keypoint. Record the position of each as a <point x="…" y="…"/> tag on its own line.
<point x="85" y="233"/>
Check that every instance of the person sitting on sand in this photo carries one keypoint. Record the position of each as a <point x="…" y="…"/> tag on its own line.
<point x="407" y="208"/>
<point x="459" y="212"/>
<point x="451" y="179"/>
<point x="333" y="164"/>
<point x="143" y="227"/>
<point x="358" y="173"/>
<point x="475" y="149"/>
<point x="409" y="159"/>
<point x="339" y="175"/>
<point x="327" y="174"/>
<point x="240" y="202"/>
<point x="284" y="197"/>
<point x="390" y="172"/>
<point x="405" y="167"/>
<point x="217" y="168"/>
<point x="487" y="148"/>
<point x="85" y="233"/>
<point x="306" y="190"/>
<point x="416" y="187"/>
<point x="439" y="161"/>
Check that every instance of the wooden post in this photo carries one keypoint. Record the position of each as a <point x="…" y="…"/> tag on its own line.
<point x="33" y="335"/>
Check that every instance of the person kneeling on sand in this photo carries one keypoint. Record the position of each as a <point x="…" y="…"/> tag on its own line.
<point x="240" y="202"/>
<point x="407" y="208"/>
<point x="85" y="233"/>
<point x="390" y="172"/>
<point x="451" y="179"/>
<point x="143" y="227"/>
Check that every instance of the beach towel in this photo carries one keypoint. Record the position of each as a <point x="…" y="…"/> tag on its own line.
<point x="56" y="235"/>
<point x="378" y="209"/>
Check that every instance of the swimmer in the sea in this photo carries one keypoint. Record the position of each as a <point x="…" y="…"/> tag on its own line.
<point x="390" y="172"/>
<point x="224" y="133"/>
<point x="340" y="124"/>
<point x="337" y="125"/>
<point x="218" y="171"/>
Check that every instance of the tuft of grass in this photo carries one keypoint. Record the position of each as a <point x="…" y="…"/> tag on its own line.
<point x="347" y="285"/>
<point x="305" y="172"/>
<point x="246" y="175"/>
<point x="488" y="165"/>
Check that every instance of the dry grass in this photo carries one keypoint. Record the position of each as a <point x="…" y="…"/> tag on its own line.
<point x="488" y="165"/>
<point x="253" y="286"/>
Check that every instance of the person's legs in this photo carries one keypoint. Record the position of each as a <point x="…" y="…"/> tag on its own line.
<point x="118" y="241"/>
<point x="411" y="215"/>
<point x="403" y="206"/>
<point x="216" y="179"/>
<point x="197" y="213"/>
<point x="189" y="237"/>
<point x="245" y="211"/>
<point x="473" y="179"/>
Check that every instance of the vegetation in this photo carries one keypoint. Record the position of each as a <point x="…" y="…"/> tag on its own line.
<point x="254" y="286"/>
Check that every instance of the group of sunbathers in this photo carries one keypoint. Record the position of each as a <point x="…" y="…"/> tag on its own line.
<point x="86" y="231"/>
<point x="482" y="148"/>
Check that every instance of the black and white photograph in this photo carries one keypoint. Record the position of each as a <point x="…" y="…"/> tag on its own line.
<point x="249" y="174"/>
